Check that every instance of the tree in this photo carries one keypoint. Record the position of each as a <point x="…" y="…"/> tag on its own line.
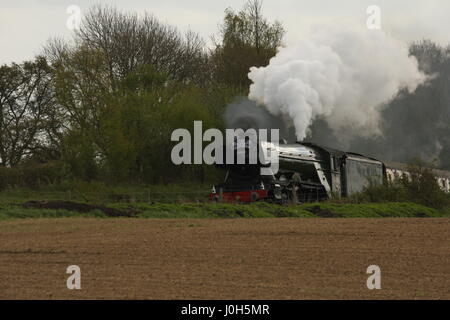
<point x="105" y="104"/>
<point x="83" y="87"/>
<point x="26" y="99"/>
<point x="128" y="41"/>
<point x="247" y="39"/>
<point x="139" y="122"/>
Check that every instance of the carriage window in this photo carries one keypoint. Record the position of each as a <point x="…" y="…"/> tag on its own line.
<point x="335" y="164"/>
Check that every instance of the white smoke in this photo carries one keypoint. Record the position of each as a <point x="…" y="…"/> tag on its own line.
<point x="340" y="74"/>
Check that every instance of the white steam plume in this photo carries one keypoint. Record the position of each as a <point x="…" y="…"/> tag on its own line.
<point x="339" y="74"/>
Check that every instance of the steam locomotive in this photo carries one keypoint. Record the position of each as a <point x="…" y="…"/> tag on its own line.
<point x="308" y="172"/>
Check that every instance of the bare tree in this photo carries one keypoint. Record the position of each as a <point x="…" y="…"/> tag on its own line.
<point x="25" y="100"/>
<point x="254" y="11"/>
<point x="127" y="41"/>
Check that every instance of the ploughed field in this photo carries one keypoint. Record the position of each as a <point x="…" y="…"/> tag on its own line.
<point x="275" y="258"/>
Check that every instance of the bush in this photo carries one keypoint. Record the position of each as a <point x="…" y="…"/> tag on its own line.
<point x="419" y="186"/>
<point x="422" y="187"/>
<point x="33" y="175"/>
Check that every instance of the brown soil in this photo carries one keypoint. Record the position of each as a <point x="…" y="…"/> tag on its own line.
<point x="225" y="258"/>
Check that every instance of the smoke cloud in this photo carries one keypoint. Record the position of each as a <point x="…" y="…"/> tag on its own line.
<point x="246" y="114"/>
<point x="340" y="76"/>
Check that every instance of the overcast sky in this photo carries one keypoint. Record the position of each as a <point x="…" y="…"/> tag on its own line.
<point x="25" y="25"/>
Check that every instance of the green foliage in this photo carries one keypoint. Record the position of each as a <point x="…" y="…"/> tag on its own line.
<point x="423" y="187"/>
<point x="33" y="175"/>
<point x="141" y="118"/>
<point x="419" y="186"/>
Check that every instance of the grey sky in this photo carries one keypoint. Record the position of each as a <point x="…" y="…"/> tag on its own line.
<point x="25" y="25"/>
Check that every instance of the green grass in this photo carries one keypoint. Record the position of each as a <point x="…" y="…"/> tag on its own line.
<point x="8" y="213"/>
<point x="222" y="210"/>
<point x="103" y="193"/>
<point x="215" y="210"/>
<point x="379" y="210"/>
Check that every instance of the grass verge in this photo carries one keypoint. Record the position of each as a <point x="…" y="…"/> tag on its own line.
<point x="222" y="210"/>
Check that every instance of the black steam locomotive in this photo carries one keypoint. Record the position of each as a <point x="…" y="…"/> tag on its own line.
<point x="307" y="172"/>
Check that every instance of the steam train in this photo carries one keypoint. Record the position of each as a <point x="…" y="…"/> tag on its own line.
<point x="309" y="172"/>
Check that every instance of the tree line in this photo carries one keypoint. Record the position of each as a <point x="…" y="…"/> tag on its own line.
<point x="103" y="105"/>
